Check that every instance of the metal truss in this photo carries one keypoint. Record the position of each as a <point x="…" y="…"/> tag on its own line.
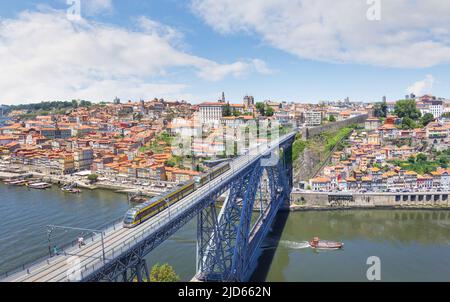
<point x="227" y="242"/>
<point x="229" y="250"/>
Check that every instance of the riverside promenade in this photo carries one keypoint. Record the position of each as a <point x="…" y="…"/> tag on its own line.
<point x="310" y="200"/>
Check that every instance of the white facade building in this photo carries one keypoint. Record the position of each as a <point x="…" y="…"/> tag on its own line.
<point x="211" y="113"/>
<point x="436" y="108"/>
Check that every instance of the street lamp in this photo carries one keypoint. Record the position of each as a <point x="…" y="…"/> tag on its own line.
<point x="51" y="228"/>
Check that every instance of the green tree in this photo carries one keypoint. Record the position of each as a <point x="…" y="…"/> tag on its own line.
<point x="380" y="109"/>
<point x="408" y="123"/>
<point x="93" y="178"/>
<point x="331" y="119"/>
<point x="407" y="108"/>
<point x="269" y="111"/>
<point x="426" y="119"/>
<point x="163" y="273"/>
<point x="443" y="161"/>
<point x="421" y="158"/>
<point x="261" y="108"/>
<point x="171" y="162"/>
<point x="226" y="110"/>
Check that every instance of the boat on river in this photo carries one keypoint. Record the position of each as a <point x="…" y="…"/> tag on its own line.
<point x="319" y="244"/>
<point x="70" y="189"/>
<point x="138" y="199"/>
<point x="18" y="182"/>
<point x="39" y="185"/>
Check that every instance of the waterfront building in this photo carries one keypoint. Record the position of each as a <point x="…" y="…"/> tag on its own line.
<point x="83" y="159"/>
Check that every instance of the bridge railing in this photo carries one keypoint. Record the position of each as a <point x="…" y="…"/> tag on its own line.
<point x="64" y="249"/>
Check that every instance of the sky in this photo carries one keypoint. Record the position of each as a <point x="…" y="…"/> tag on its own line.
<point x="279" y="50"/>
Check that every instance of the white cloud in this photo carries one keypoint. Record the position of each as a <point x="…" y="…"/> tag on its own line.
<point x="44" y="56"/>
<point x="261" y="67"/>
<point x="423" y="87"/>
<point x="96" y="7"/>
<point x="410" y="34"/>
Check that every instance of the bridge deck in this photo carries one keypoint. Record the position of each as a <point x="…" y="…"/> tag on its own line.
<point x="117" y="239"/>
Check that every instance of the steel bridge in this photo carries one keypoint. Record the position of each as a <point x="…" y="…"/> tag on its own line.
<point x="228" y="240"/>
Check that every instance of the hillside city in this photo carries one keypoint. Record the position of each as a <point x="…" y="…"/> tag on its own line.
<point x="405" y="149"/>
<point x="402" y="146"/>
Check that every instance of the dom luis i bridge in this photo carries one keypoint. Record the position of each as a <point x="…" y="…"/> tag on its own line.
<point x="255" y="185"/>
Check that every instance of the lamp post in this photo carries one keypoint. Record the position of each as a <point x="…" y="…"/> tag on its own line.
<point x="51" y="228"/>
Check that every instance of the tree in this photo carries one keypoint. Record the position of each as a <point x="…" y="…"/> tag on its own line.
<point x="269" y="111"/>
<point x="163" y="273"/>
<point x="380" y="109"/>
<point x="226" y="110"/>
<point x="443" y="161"/>
<point x="331" y="119"/>
<point x="426" y="119"/>
<point x="171" y="162"/>
<point x="408" y="123"/>
<point x="261" y="108"/>
<point x="407" y="108"/>
<point x="421" y="157"/>
<point x="93" y="178"/>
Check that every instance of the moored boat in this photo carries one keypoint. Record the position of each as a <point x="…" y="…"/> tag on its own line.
<point x="317" y="243"/>
<point x="18" y="182"/>
<point x="39" y="185"/>
<point x="138" y="199"/>
<point x="71" y="190"/>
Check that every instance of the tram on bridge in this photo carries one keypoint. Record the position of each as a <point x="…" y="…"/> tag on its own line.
<point x="147" y="210"/>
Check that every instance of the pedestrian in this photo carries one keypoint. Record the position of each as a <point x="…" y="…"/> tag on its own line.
<point x="55" y="250"/>
<point x="80" y="242"/>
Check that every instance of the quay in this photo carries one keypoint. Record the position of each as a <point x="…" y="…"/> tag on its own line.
<point x="66" y="179"/>
<point x="308" y="200"/>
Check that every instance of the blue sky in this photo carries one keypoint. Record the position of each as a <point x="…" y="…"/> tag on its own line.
<point x="221" y="46"/>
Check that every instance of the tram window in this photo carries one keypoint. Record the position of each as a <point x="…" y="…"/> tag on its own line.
<point x="128" y="219"/>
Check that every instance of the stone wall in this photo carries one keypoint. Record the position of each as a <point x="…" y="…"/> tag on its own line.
<point x="373" y="200"/>
<point x="312" y="131"/>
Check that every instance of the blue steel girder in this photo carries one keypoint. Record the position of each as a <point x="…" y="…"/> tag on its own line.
<point x="278" y="197"/>
<point x="242" y="240"/>
<point x="209" y="240"/>
<point x="239" y="242"/>
<point x="213" y="264"/>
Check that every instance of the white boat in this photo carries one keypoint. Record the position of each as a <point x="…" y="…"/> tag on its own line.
<point x="40" y="185"/>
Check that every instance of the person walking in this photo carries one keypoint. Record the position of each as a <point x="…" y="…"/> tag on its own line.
<point x="80" y="242"/>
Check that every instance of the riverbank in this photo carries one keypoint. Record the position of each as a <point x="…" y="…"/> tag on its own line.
<point x="66" y="179"/>
<point x="302" y="208"/>
<point x="309" y="200"/>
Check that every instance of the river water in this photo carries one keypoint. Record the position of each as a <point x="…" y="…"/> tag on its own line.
<point x="411" y="245"/>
